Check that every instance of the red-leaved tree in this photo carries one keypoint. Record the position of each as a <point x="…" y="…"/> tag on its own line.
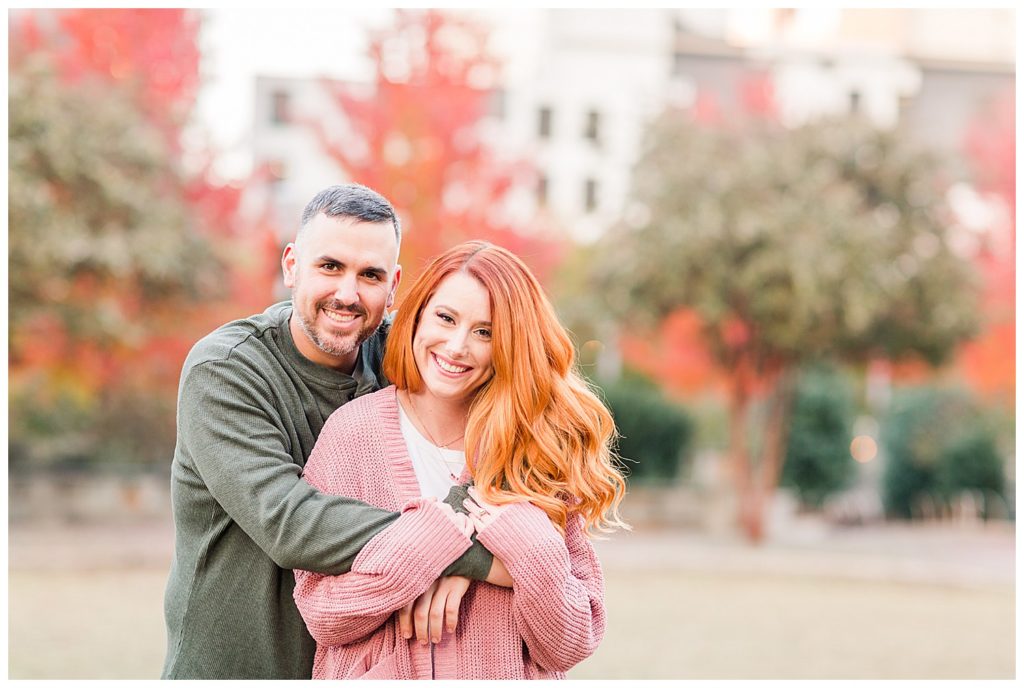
<point x="415" y="137"/>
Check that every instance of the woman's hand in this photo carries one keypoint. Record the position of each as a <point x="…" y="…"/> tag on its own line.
<point x="481" y="513"/>
<point x="439" y="604"/>
<point x="464" y="523"/>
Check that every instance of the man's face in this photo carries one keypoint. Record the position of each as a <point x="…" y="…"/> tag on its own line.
<point x="343" y="276"/>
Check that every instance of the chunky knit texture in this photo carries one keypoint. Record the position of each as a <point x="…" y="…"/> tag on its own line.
<point x="550" y="620"/>
<point x="250" y="408"/>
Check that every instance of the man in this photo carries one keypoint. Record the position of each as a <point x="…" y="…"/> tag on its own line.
<point x="253" y="397"/>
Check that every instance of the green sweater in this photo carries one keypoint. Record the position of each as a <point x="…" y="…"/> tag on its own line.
<point x="250" y="408"/>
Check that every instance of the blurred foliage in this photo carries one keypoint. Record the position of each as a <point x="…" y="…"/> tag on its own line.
<point x="97" y="222"/>
<point x="656" y="434"/>
<point x="416" y="137"/>
<point x="119" y="257"/>
<point x="939" y="443"/>
<point x="818" y="461"/>
<point x="791" y="243"/>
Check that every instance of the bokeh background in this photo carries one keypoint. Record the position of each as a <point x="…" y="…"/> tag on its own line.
<point x="783" y="240"/>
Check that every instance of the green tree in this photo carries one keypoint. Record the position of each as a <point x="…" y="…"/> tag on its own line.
<point x="119" y="256"/>
<point x="790" y="244"/>
<point x="939" y="443"/>
<point x="818" y="461"/>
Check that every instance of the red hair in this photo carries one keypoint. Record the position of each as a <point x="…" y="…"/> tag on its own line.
<point x="535" y="430"/>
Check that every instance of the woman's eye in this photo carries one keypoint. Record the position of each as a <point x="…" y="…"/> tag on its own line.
<point x="445" y="317"/>
<point x="485" y="334"/>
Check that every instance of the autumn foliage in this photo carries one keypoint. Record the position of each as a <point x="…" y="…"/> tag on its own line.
<point x="415" y="136"/>
<point x="121" y="257"/>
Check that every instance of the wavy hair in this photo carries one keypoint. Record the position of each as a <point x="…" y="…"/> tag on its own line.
<point x="536" y="430"/>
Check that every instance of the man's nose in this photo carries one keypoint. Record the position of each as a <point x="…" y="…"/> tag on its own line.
<point x="345" y="290"/>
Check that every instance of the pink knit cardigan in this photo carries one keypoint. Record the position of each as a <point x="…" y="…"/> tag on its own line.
<point x="551" y="619"/>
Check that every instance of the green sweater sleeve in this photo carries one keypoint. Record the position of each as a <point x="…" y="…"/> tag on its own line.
<point x="235" y="441"/>
<point x="240" y="451"/>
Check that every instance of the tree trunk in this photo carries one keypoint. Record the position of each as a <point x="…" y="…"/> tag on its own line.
<point x="741" y="471"/>
<point x="755" y="487"/>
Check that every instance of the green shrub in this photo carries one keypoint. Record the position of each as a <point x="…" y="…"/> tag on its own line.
<point x="938" y="443"/>
<point x="818" y="461"/>
<point x="656" y="435"/>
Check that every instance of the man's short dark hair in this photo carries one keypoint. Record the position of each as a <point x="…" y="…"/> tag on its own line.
<point x="355" y="201"/>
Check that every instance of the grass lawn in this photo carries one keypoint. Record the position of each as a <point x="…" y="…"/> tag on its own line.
<point x="109" y="625"/>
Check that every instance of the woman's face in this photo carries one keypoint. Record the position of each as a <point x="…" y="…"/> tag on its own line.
<point x="452" y="345"/>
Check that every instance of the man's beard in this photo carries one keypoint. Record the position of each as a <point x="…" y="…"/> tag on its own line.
<point x="336" y="348"/>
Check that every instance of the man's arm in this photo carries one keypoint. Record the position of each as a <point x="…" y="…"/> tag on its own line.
<point x="228" y="430"/>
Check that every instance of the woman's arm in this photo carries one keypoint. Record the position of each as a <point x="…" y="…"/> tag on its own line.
<point x="558" y="599"/>
<point x="393" y="569"/>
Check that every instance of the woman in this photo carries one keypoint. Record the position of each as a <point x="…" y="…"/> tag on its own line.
<point x="481" y="369"/>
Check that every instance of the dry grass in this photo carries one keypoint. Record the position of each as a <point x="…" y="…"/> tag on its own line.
<point x="676" y="609"/>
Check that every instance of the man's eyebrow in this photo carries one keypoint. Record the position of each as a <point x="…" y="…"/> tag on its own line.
<point x="373" y="268"/>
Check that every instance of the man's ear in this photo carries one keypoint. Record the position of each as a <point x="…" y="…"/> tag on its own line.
<point x="394" y="287"/>
<point x="288" y="265"/>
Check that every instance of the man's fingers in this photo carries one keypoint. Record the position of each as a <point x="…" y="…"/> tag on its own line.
<point x="405" y="621"/>
<point x="458" y="586"/>
<point x="421" y="612"/>
<point x="437" y="613"/>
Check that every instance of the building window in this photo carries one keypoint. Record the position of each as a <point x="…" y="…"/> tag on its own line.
<point x="542" y="190"/>
<point x="590" y="196"/>
<point x="592" y="130"/>
<point x="279" y="102"/>
<point x="544" y="116"/>
<point x="496" y="103"/>
<point x="854" y="102"/>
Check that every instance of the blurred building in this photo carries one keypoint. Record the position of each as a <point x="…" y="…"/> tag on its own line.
<point x="577" y="94"/>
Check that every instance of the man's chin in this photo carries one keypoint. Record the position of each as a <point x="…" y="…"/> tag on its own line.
<point x="341" y="346"/>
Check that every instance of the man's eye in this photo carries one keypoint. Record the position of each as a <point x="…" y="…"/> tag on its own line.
<point x="372" y="276"/>
<point x="330" y="267"/>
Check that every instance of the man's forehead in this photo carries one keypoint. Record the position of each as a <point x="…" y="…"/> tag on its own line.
<point x="347" y="236"/>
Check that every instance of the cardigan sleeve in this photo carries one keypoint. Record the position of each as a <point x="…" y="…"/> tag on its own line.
<point x="558" y="589"/>
<point x="392" y="570"/>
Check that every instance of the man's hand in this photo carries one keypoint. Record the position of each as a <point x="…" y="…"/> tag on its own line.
<point x="439" y="604"/>
<point x="499" y="575"/>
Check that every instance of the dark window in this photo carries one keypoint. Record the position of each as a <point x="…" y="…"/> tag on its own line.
<point x="542" y="190"/>
<point x="592" y="130"/>
<point x="678" y="63"/>
<point x="496" y="103"/>
<point x="544" y="116"/>
<point x="279" y="107"/>
<point x="590" y="196"/>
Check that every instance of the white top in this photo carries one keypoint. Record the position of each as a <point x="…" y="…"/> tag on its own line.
<point x="437" y="469"/>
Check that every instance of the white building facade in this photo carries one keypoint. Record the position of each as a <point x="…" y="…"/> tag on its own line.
<point x="580" y="86"/>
